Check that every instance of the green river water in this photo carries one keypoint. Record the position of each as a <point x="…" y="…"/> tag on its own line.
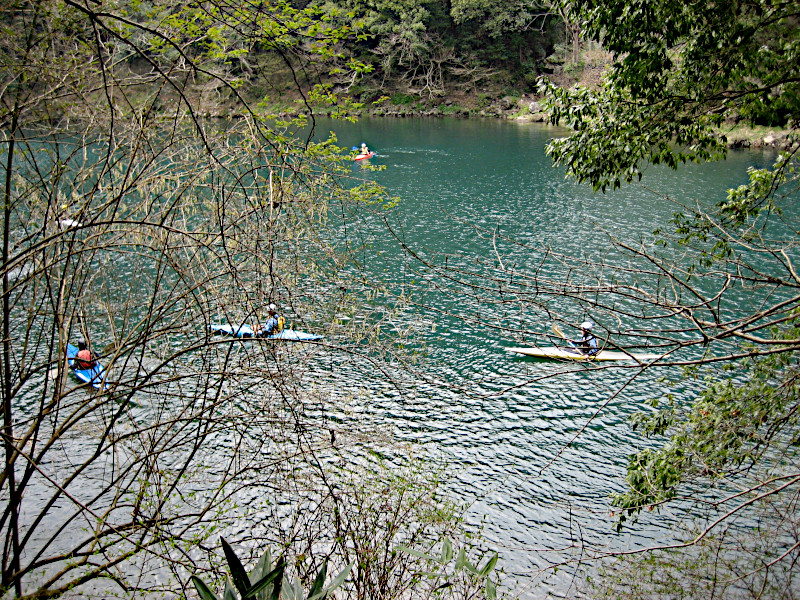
<point x="535" y="448"/>
<point x="509" y="435"/>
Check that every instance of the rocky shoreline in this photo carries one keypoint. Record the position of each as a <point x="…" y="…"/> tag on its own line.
<point x="527" y="109"/>
<point x="781" y="139"/>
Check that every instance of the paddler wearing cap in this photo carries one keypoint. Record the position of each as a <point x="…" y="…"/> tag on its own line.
<point x="587" y="344"/>
<point x="274" y="323"/>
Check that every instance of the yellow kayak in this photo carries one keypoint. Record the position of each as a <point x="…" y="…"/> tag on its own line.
<point x="565" y="354"/>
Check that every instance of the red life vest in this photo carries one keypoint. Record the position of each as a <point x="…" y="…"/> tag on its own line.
<point x="84" y="359"/>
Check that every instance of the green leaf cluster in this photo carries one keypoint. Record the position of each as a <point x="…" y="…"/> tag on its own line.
<point x="267" y="581"/>
<point x="614" y="136"/>
<point x="680" y="70"/>
<point x="444" y="570"/>
<point x="726" y="433"/>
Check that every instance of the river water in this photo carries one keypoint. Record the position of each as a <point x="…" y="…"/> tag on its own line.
<point x="536" y="448"/>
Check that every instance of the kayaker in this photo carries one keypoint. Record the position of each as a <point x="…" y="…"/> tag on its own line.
<point x="84" y="359"/>
<point x="364" y="149"/>
<point x="274" y="322"/>
<point x="587" y="344"/>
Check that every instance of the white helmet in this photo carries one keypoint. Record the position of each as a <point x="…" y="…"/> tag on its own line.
<point x="272" y="308"/>
<point x="587" y="325"/>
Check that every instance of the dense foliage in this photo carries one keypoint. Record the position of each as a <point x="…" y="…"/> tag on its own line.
<point x="427" y="47"/>
<point x="681" y="71"/>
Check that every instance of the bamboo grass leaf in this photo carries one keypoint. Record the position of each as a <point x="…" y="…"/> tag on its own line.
<point x="319" y="580"/>
<point x="487" y="568"/>
<point x="287" y="589"/>
<point x="229" y="593"/>
<point x="238" y="574"/>
<point x="276" y="588"/>
<point x="447" y="551"/>
<point x="298" y="590"/>
<point x="337" y="581"/>
<point x="263" y="566"/>
<point x="202" y="589"/>
<point x="275" y="576"/>
<point x="417" y="553"/>
<point x="290" y="588"/>
<point x="461" y="559"/>
<point x="491" y="589"/>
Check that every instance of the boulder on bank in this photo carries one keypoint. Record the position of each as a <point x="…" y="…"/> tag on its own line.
<point x="780" y="140"/>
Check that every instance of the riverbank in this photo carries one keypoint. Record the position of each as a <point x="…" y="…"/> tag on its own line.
<point x="521" y="108"/>
<point x="455" y="101"/>
<point x="526" y="108"/>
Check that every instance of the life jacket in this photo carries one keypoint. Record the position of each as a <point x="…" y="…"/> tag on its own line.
<point x="585" y="344"/>
<point x="281" y="324"/>
<point x="84" y="360"/>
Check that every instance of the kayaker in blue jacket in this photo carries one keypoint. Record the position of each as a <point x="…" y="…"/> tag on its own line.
<point x="273" y="324"/>
<point x="587" y="344"/>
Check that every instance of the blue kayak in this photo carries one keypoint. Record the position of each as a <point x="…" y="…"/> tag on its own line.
<point x="94" y="376"/>
<point x="245" y="331"/>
